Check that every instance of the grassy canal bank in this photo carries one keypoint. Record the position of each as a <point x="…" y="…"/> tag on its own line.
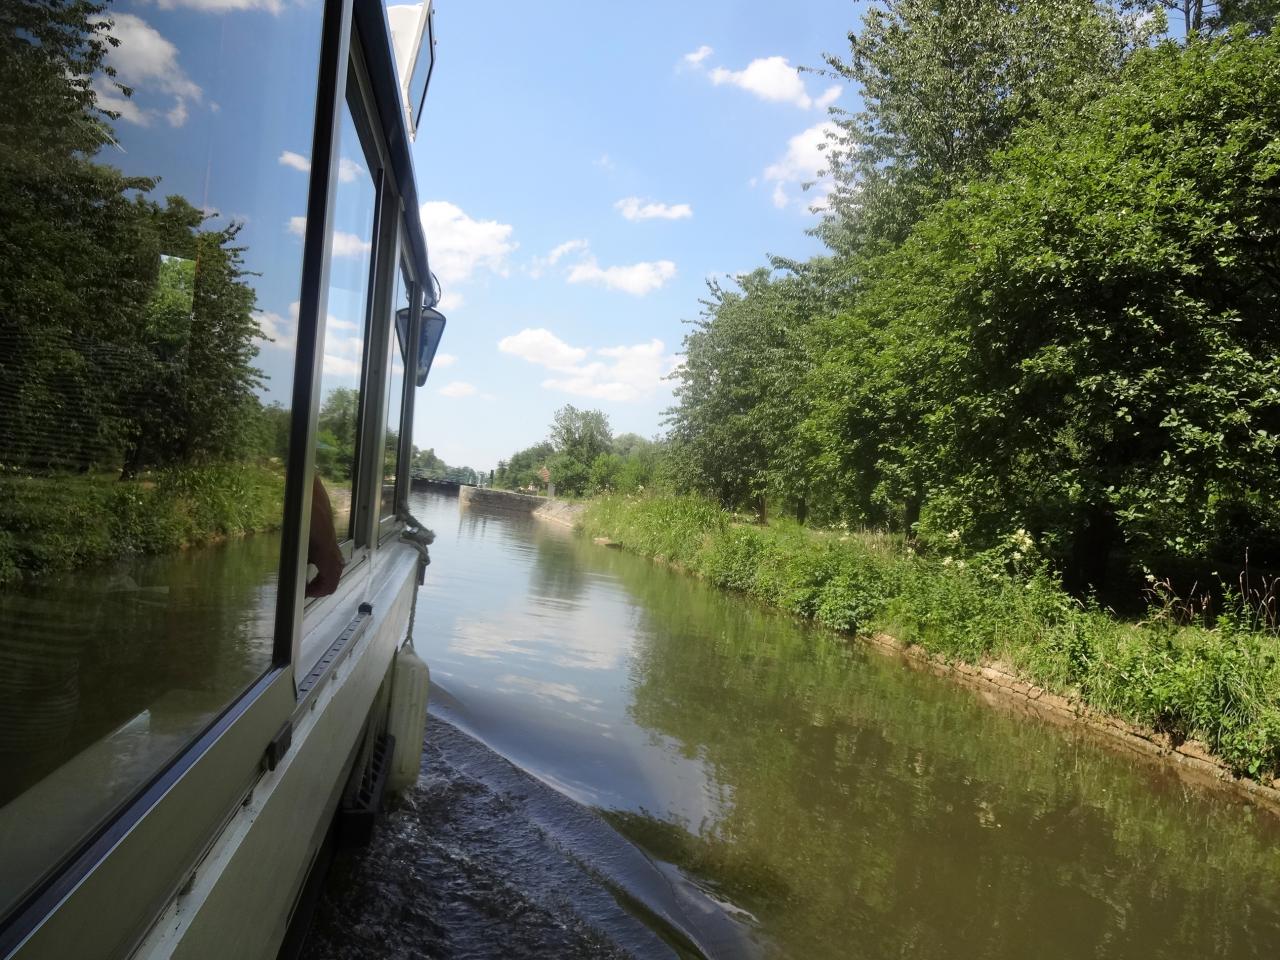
<point x="48" y="525"/>
<point x="1213" y="681"/>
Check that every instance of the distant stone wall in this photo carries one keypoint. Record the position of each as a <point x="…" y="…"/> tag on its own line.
<point x="552" y="511"/>
<point x="558" y="511"/>
<point x="490" y="499"/>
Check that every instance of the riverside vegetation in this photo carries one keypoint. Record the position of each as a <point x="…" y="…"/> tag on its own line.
<point x="1215" y="680"/>
<point x="50" y="527"/>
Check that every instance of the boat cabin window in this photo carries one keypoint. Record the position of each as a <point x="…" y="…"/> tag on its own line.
<point x="152" y="207"/>
<point x="397" y="349"/>
<point x="351" y="243"/>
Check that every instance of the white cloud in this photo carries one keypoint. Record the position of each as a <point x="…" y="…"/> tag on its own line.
<point x="637" y="278"/>
<point x="342" y="353"/>
<point x="804" y="162"/>
<point x="222" y="6"/>
<point x="349" y="245"/>
<point x="540" y="264"/>
<point x="296" y="160"/>
<point x="458" y="388"/>
<point x="569" y="246"/>
<point x="338" y="366"/>
<point x="343" y="244"/>
<point x="128" y="110"/>
<point x="827" y="97"/>
<point x="450" y="300"/>
<point x="443" y="360"/>
<point x="145" y="61"/>
<point x="177" y="114"/>
<point x="275" y="329"/>
<point x="543" y="348"/>
<point x="625" y="373"/>
<point x="605" y="162"/>
<point x="695" y="59"/>
<point x="775" y="80"/>
<point x="348" y="170"/>
<point x="633" y="208"/>
<point x="459" y="245"/>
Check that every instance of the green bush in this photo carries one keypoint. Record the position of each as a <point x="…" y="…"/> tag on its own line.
<point x="56" y="523"/>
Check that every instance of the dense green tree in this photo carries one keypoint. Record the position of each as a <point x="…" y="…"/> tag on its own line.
<point x="1088" y="332"/>
<point x="580" y="434"/>
<point x="336" y="433"/>
<point x="521" y="470"/>
<point x="127" y="328"/>
<point x="80" y="259"/>
<point x="632" y="466"/>
<point x="194" y="388"/>
<point x="578" y="438"/>
<point x="733" y="429"/>
<point x="270" y="431"/>
<point x="943" y="83"/>
<point x="1214" y="16"/>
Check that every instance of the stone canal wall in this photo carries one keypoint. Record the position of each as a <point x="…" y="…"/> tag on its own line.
<point x="490" y="499"/>
<point x="553" y="511"/>
<point x="558" y="511"/>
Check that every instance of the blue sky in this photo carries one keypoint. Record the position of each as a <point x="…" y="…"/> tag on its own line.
<point x="584" y="168"/>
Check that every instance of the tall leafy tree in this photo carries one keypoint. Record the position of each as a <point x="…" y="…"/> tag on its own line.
<point x="126" y="327"/>
<point x="733" y="428"/>
<point x="522" y="468"/>
<point x="1215" y="16"/>
<point x="945" y="82"/>
<point x="336" y="433"/>
<point x="194" y="393"/>
<point x="580" y="434"/>
<point x="1088" y="331"/>
<point x="80" y="260"/>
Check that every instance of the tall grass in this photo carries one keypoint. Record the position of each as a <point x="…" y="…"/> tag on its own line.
<point x="50" y="524"/>
<point x="1217" y="681"/>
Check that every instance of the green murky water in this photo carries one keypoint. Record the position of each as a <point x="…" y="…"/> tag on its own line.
<point x="840" y="803"/>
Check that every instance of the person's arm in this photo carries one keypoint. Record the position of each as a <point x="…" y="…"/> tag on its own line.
<point x="322" y="543"/>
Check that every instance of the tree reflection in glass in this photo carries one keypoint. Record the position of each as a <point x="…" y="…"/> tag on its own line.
<point x="395" y="400"/>
<point x="350" y="252"/>
<point x="152" y="163"/>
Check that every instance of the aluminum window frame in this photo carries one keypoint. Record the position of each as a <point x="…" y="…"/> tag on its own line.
<point x="355" y="547"/>
<point x="367" y="497"/>
<point x="389" y="526"/>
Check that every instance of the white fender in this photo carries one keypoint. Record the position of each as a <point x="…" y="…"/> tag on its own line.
<point x="407" y="716"/>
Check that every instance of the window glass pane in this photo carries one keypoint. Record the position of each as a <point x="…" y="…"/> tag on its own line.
<point x="422" y="75"/>
<point x="350" y="254"/>
<point x="154" y="176"/>
<point x="395" y="395"/>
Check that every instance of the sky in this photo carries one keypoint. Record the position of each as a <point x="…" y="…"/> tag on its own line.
<point x="584" y="169"/>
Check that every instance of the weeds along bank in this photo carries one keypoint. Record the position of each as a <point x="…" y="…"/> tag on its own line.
<point x="51" y="525"/>
<point x="1218" y="683"/>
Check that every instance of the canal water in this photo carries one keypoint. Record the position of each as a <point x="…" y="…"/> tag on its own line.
<point x="623" y="761"/>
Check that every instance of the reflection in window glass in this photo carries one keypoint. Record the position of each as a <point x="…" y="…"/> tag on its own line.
<point x="350" y="253"/>
<point x="400" y="331"/>
<point x="155" y="170"/>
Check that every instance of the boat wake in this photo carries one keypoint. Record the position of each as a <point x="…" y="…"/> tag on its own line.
<point x="482" y="860"/>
